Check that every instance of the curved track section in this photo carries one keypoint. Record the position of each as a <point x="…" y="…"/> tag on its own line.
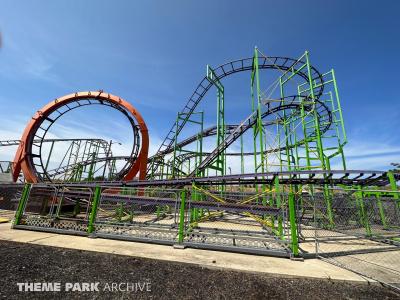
<point x="322" y="111"/>
<point x="236" y="66"/>
<point x="28" y="157"/>
<point x="64" y="169"/>
<point x="290" y="105"/>
<point x="317" y="177"/>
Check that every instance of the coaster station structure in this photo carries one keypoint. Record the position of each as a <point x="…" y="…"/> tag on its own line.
<point x="292" y="134"/>
<point x="82" y="159"/>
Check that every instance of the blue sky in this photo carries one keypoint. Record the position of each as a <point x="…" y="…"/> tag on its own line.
<point x="154" y="53"/>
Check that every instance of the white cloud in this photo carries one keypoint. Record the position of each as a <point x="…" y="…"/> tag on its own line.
<point x="379" y="163"/>
<point x="370" y="154"/>
<point x="366" y="148"/>
<point x="22" y="59"/>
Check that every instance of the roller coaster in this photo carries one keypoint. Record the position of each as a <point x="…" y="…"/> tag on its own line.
<point x="283" y="149"/>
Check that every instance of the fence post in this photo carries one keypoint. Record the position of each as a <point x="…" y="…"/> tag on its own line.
<point x="182" y="217"/>
<point x="293" y="224"/>
<point x="93" y="213"/>
<point x="21" y="204"/>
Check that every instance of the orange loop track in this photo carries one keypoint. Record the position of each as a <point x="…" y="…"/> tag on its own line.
<point x="22" y="161"/>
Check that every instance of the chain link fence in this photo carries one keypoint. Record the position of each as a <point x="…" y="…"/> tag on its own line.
<point x="150" y="215"/>
<point x="356" y="229"/>
<point x="212" y="219"/>
<point x="49" y="208"/>
<point x="238" y="221"/>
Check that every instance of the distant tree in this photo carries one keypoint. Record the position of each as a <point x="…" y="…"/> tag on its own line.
<point x="396" y="167"/>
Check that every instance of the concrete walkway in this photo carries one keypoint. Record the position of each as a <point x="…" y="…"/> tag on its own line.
<point x="210" y="259"/>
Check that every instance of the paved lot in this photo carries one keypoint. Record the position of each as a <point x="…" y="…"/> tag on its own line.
<point x="156" y="279"/>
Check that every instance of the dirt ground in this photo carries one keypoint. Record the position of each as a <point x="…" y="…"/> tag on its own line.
<point x="154" y="279"/>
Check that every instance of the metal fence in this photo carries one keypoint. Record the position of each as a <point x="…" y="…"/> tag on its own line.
<point x="213" y="219"/>
<point x="361" y="232"/>
<point x="238" y="221"/>
<point x="48" y="208"/>
<point x="150" y="215"/>
<point x="5" y="166"/>
<point x="357" y="229"/>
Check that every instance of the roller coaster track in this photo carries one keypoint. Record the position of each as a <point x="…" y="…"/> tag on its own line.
<point x="235" y="131"/>
<point x="10" y="143"/>
<point x="246" y="64"/>
<point x="28" y="158"/>
<point x="64" y="169"/>
<point x="323" y="112"/>
<point x="38" y="141"/>
<point x="248" y="123"/>
<point x="317" y="177"/>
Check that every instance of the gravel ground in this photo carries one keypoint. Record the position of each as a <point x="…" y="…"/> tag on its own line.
<point x="22" y="262"/>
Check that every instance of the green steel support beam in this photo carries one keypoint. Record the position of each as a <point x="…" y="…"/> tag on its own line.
<point x="158" y="211"/>
<point x="241" y="158"/>
<point x="258" y="128"/>
<point x="339" y="106"/>
<point x="48" y="156"/>
<point x="278" y="205"/>
<point x="195" y="197"/>
<point x="328" y="202"/>
<point x="316" y="117"/>
<point x="220" y="162"/>
<point x="175" y="148"/>
<point x="381" y="211"/>
<point x="181" y="229"/>
<point x="393" y="185"/>
<point x="22" y="203"/>
<point x="293" y="223"/>
<point x="363" y="213"/>
<point x="93" y="213"/>
<point x="91" y="167"/>
<point x="306" y="140"/>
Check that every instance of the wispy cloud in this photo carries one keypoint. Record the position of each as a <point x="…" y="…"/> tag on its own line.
<point x="23" y="59"/>
<point x="372" y="155"/>
<point x="357" y="148"/>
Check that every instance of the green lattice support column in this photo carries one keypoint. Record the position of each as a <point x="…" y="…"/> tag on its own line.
<point x="293" y="223"/>
<point x="195" y="211"/>
<point x="258" y="127"/>
<point x="241" y="161"/>
<point x="93" y="213"/>
<point x="173" y="175"/>
<point x="220" y="162"/>
<point x="181" y="230"/>
<point x="278" y="205"/>
<point x="318" y="136"/>
<point x="22" y="203"/>
<point x="339" y="108"/>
